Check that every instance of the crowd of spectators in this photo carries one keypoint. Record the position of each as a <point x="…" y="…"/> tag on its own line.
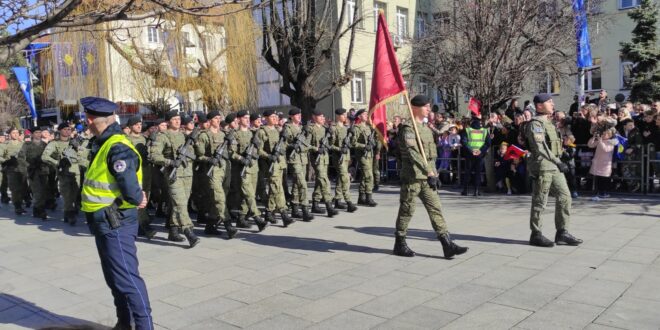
<point x="603" y="144"/>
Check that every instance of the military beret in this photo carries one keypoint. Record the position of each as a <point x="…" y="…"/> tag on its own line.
<point x="185" y="120"/>
<point x="420" y="100"/>
<point x="99" y="107"/>
<point x="134" y="120"/>
<point x="202" y="118"/>
<point x="340" y="111"/>
<point x="542" y="98"/>
<point x="212" y="114"/>
<point x="124" y="125"/>
<point x="269" y="113"/>
<point x="242" y="113"/>
<point x="317" y="112"/>
<point x="281" y="115"/>
<point x="255" y="116"/>
<point x="61" y="126"/>
<point x="294" y="111"/>
<point x="230" y="118"/>
<point x="36" y="129"/>
<point x="359" y="112"/>
<point x="159" y="121"/>
<point x="171" y="114"/>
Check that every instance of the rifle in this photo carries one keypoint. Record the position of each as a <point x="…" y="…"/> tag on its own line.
<point x="346" y="143"/>
<point x="299" y="143"/>
<point x="219" y="152"/>
<point x="323" y="147"/>
<point x="249" y="154"/>
<point x="70" y="153"/>
<point x="371" y="143"/>
<point x="183" y="154"/>
<point x="277" y="152"/>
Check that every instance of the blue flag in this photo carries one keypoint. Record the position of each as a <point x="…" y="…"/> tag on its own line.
<point x="23" y="77"/>
<point x="622" y="144"/>
<point x="582" y="35"/>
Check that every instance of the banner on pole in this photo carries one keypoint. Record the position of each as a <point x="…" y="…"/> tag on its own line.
<point x="23" y="77"/>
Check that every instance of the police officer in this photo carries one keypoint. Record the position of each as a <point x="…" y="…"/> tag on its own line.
<point x="341" y="137"/>
<point x="64" y="155"/>
<point x="110" y="194"/>
<point x="271" y="153"/>
<point x="476" y="142"/>
<point x="14" y="169"/>
<point x="212" y="160"/>
<point x="140" y="143"/>
<point x="419" y="179"/>
<point x="364" y="143"/>
<point x="171" y="152"/>
<point x="37" y="173"/>
<point x="244" y="155"/>
<point x="297" y="160"/>
<point x="546" y="169"/>
<point x="319" y="138"/>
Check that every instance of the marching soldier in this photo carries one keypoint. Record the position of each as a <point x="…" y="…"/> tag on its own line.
<point x="50" y="193"/>
<point x="199" y="197"/>
<point x="37" y="173"/>
<point x="141" y="143"/>
<point x="364" y="143"/>
<point x="261" y="187"/>
<point x="4" y="196"/>
<point x="297" y="147"/>
<point x="14" y="169"/>
<point x="244" y="156"/>
<point x="547" y="171"/>
<point x="341" y="146"/>
<point x="211" y="149"/>
<point x="419" y="179"/>
<point x="233" y="184"/>
<point x="173" y="151"/>
<point x="64" y="155"/>
<point x="158" y="183"/>
<point x="320" y="145"/>
<point x="273" y="148"/>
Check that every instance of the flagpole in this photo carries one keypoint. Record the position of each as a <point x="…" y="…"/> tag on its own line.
<point x="414" y="125"/>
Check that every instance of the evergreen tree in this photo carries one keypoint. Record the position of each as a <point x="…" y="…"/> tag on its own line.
<point x="643" y="51"/>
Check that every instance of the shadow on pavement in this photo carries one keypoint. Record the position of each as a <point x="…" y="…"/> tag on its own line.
<point x="430" y="235"/>
<point x="28" y="315"/>
<point x="309" y="244"/>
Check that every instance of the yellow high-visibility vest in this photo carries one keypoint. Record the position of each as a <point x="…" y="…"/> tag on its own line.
<point x="100" y="188"/>
<point x="476" y="137"/>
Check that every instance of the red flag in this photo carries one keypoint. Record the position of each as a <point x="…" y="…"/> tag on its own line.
<point x="3" y="82"/>
<point x="387" y="83"/>
<point x="475" y="106"/>
<point x="513" y="152"/>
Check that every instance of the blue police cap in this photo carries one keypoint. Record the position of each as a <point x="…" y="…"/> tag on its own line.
<point x="98" y="107"/>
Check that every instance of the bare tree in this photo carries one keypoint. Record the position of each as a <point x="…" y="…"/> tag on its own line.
<point x="12" y="105"/>
<point x="299" y="40"/>
<point x="491" y="49"/>
<point x="33" y="18"/>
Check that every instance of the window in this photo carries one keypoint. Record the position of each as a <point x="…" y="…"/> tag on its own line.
<point x="351" y="5"/>
<point x="626" y="69"/>
<point x="549" y="83"/>
<point x="439" y="96"/>
<point x="402" y="22"/>
<point x="420" y="25"/>
<point x="357" y="88"/>
<point x="423" y="88"/>
<point x="625" y="4"/>
<point x="592" y="77"/>
<point x="442" y="19"/>
<point x="377" y="7"/>
<point x="152" y="34"/>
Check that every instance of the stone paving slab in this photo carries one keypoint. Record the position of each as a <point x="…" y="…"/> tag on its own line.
<point x="339" y="273"/>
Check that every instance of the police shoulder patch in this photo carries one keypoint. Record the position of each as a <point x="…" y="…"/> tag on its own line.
<point x="119" y="166"/>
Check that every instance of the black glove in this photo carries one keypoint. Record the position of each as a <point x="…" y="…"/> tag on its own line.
<point x="273" y="158"/>
<point x="433" y="182"/>
<point x="75" y="144"/>
<point x="214" y="161"/>
<point x="344" y="150"/>
<point x="64" y="162"/>
<point x="563" y="167"/>
<point x="245" y="161"/>
<point x="175" y="163"/>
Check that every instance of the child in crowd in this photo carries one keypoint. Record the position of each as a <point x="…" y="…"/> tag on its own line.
<point x="601" y="165"/>
<point x="516" y="176"/>
<point x="502" y="166"/>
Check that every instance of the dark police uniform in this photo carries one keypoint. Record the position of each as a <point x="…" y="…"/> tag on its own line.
<point x="116" y="246"/>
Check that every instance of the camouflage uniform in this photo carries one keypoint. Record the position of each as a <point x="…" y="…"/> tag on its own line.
<point x="16" y="172"/>
<point x="297" y="167"/>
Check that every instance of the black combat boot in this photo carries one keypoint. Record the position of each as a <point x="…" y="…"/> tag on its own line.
<point x="295" y="211"/>
<point x="361" y="199"/>
<point x="477" y="193"/>
<point x="537" y="239"/>
<point x="339" y="205"/>
<point x="450" y="248"/>
<point x="286" y="219"/>
<point x="370" y="201"/>
<point x="160" y="213"/>
<point x="270" y="217"/>
<point x="174" y="235"/>
<point x="331" y="211"/>
<point x="316" y="208"/>
<point x="563" y="237"/>
<point x="464" y="192"/>
<point x="192" y="238"/>
<point x="19" y="210"/>
<point x="146" y="231"/>
<point x="376" y="187"/>
<point x="71" y="218"/>
<point x="401" y="249"/>
<point x="231" y="231"/>
<point x="306" y="215"/>
<point x="350" y="207"/>
<point x="261" y="223"/>
<point x="51" y="204"/>
<point x="211" y="227"/>
<point x="5" y="199"/>
<point x="39" y="213"/>
<point x="242" y="223"/>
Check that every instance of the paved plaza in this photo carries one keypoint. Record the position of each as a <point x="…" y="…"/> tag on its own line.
<point x="339" y="273"/>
